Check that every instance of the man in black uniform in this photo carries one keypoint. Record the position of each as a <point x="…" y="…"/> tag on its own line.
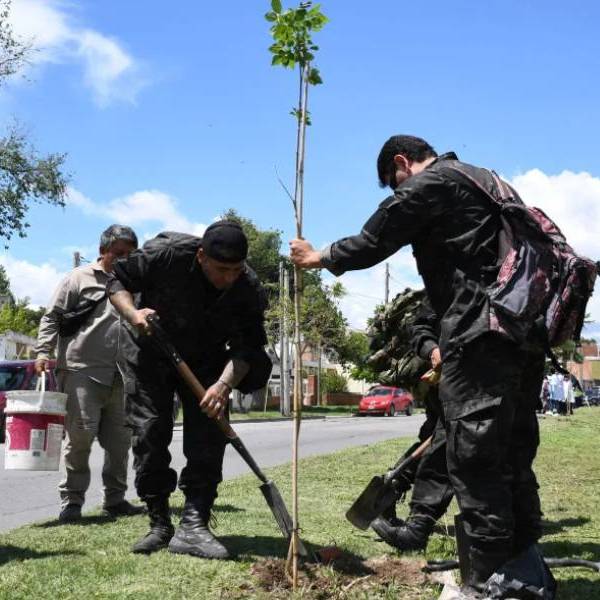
<point x="432" y="490"/>
<point x="212" y="306"/>
<point x="490" y="384"/>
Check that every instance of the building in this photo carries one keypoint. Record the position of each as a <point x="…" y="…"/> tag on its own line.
<point x="16" y="346"/>
<point x="587" y="372"/>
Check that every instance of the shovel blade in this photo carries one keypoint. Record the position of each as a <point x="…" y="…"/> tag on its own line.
<point x="375" y="498"/>
<point x="282" y="516"/>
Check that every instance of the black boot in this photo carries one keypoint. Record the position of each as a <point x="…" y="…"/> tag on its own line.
<point x="193" y="535"/>
<point x="413" y="535"/>
<point x="389" y="514"/>
<point x="161" y="528"/>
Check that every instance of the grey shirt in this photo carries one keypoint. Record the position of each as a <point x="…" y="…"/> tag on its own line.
<point x="93" y="350"/>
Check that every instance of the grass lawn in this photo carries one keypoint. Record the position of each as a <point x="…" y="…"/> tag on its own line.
<point x="92" y="559"/>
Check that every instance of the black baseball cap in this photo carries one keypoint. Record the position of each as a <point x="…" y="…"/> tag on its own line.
<point x="225" y="241"/>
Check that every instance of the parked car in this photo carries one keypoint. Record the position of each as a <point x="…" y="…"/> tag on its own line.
<point x="385" y="400"/>
<point x="593" y="396"/>
<point x="20" y="375"/>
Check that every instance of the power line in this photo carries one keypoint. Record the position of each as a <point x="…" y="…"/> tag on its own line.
<point x="364" y="296"/>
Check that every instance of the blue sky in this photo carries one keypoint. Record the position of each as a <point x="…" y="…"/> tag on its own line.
<point x="170" y="115"/>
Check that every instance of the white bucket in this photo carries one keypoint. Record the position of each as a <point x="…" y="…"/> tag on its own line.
<point x="34" y="428"/>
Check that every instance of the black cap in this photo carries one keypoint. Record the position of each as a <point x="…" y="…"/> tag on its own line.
<point x="225" y="241"/>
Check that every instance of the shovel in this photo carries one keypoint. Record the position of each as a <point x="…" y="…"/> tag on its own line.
<point x="380" y="493"/>
<point x="268" y="488"/>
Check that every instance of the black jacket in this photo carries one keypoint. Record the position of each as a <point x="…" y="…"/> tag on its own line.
<point x="453" y="228"/>
<point x="203" y="322"/>
<point x="425" y="331"/>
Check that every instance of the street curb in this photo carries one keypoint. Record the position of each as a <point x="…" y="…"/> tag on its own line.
<point x="277" y="419"/>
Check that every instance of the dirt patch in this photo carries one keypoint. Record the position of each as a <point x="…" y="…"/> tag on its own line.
<point x="346" y="577"/>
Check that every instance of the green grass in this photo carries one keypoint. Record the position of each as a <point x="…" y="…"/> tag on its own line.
<point x="92" y="559"/>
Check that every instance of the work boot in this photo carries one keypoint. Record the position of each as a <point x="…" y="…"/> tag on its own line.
<point x="389" y="514"/>
<point x="161" y="528"/>
<point x="122" y="509"/>
<point x="71" y="513"/>
<point x="413" y="535"/>
<point x="193" y="535"/>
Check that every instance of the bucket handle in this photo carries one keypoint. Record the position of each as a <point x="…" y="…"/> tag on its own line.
<point x="40" y="385"/>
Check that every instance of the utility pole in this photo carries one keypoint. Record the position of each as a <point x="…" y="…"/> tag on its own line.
<point x="387" y="282"/>
<point x="319" y="351"/>
<point x="76" y="259"/>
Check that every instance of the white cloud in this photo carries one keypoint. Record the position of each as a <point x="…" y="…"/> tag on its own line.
<point x="81" y="201"/>
<point x="109" y="71"/>
<point x="153" y="206"/>
<point x="366" y="289"/>
<point x="572" y="200"/>
<point x="44" y="24"/>
<point x="140" y="209"/>
<point x="37" y="282"/>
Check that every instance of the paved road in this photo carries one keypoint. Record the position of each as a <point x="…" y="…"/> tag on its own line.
<point x="27" y="496"/>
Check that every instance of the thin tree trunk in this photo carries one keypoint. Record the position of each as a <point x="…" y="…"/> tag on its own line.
<point x="299" y="206"/>
<point x="286" y="346"/>
<point x="319" y="370"/>
<point x="281" y="339"/>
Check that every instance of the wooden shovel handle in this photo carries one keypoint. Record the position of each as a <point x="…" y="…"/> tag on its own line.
<point x="419" y="451"/>
<point x="408" y="460"/>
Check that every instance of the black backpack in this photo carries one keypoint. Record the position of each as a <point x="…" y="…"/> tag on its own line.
<point x="541" y="278"/>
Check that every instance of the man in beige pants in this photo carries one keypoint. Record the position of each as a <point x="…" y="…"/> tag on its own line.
<point x="83" y="327"/>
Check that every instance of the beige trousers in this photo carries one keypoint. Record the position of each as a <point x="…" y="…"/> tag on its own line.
<point x="94" y="411"/>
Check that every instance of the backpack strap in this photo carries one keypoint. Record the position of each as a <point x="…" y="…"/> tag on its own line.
<point x="504" y="196"/>
<point x="505" y="237"/>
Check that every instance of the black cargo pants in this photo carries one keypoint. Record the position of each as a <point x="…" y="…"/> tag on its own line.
<point x="432" y="490"/>
<point x="489" y="392"/>
<point x="150" y="388"/>
<point x="150" y="385"/>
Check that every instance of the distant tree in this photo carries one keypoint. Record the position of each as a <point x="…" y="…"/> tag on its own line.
<point x="4" y="282"/>
<point x="322" y="322"/>
<point x="354" y="352"/>
<point x="13" y="53"/>
<point x="568" y="351"/>
<point x="25" y="175"/>
<point x="20" y="318"/>
<point x="332" y="382"/>
<point x="263" y="247"/>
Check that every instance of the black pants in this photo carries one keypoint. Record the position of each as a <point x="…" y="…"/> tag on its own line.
<point x="150" y="388"/>
<point x="489" y="394"/>
<point x="432" y="490"/>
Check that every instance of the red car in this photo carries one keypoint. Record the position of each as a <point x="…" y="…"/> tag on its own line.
<point x="384" y="400"/>
<point x="20" y="375"/>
